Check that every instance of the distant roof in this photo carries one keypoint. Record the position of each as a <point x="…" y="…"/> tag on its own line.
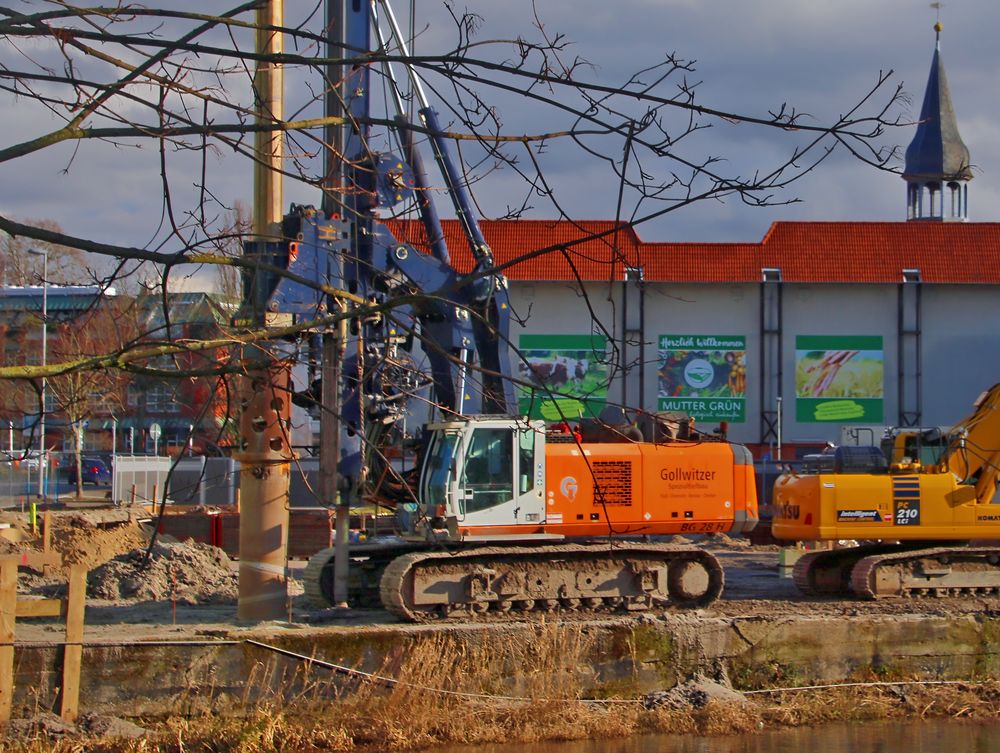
<point x="54" y="290"/>
<point x="186" y="308"/>
<point x="57" y="297"/>
<point x="836" y="252"/>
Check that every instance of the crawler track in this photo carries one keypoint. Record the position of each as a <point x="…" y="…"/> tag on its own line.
<point x="367" y="563"/>
<point x="828" y="572"/>
<point x="507" y="582"/>
<point x="900" y="571"/>
<point x="942" y="571"/>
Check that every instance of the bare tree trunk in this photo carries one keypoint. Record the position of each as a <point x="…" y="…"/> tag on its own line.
<point x="78" y="459"/>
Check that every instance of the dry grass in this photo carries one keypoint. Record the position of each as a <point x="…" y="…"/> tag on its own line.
<point x="515" y="690"/>
<point x="879" y="702"/>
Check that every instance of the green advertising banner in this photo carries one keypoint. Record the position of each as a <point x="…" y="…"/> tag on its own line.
<point x="570" y="374"/>
<point x="839" y="379"/>
<point x="703" y="376"/>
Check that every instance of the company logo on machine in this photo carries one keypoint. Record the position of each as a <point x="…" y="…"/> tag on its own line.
<point x="906" y="500"/>
<point x="568" y="488"/>
<point x="686" y="474"/>
<point x="788" y="511"/>
<point x="859" y="516"/>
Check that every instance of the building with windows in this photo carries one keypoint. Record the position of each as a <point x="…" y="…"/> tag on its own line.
<point x="24" y="312"/>
<point x="190" y="406"/>
<point x="110" y="407"/>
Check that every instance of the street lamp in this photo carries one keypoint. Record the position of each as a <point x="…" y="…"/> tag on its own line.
<point x="43" y="453"/>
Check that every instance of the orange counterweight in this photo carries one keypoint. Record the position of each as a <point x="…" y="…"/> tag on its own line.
<point x="646" y="489"/>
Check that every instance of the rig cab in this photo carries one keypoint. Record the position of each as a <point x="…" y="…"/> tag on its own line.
<point x="480" y="471"/>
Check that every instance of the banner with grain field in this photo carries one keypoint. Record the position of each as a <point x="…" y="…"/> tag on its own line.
<point x="839" y="379"/>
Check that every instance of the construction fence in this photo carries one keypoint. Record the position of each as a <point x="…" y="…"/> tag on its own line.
<point x="143" y="479"/>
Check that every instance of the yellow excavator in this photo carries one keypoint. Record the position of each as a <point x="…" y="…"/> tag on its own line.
<point x="928" y="522"/>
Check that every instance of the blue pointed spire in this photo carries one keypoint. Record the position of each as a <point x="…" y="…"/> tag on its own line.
<point x="937" y="159"/>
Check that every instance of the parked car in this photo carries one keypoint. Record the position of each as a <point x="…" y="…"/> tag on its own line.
<point x="26" y="459"/>
<point x="94" y="471"/>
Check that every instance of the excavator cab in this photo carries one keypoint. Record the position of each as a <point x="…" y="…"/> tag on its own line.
<point x="480" y="471"/>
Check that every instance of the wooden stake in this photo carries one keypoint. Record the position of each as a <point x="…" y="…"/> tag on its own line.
<point x="8" y="612"/>
<point x="73" y="650"/>
<point x="46" y="531"/>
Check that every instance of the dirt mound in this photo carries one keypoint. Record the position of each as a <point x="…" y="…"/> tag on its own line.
<point x="101" y="725"/>
<point x="9" y="547"/>
<point x="724" y="541"/>
<point x="86" y="537"/>
<point x="82" y="542"/>
<point x="187" y="572"/>
<point x="708" y="541"/>
<point x="49" y="727"/>
<point x="695" y="693"/>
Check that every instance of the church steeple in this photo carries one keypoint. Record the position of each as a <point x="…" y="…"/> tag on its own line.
<point x="937" y="167"/>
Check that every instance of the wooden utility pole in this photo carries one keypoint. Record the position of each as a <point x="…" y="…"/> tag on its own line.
<point x="266" y="392"/>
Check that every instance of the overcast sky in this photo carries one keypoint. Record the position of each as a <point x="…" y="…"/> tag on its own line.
<point x="818" y="56"/>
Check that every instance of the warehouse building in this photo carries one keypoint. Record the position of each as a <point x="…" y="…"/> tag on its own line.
<point x="788" y="341"/>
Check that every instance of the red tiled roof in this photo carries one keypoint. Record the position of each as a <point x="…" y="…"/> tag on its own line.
<point x="844" y="252"/>
<point x="555" y="249"/>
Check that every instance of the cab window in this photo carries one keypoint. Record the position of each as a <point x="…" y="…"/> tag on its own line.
<point x="526" y="461"/>
<point x="488" y="474"/>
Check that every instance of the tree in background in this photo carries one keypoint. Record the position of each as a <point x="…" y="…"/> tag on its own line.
<point x="229" y="243"/>
<point x="66" y="265"/>
<point x="81" y="395"/>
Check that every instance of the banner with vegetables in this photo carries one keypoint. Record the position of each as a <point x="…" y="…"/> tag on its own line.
<point x="703" y="376"/>
<point x="839" y="379"/>
<point x="569" y="375"/>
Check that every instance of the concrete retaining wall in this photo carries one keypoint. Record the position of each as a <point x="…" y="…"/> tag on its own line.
<point x="625" y="659"/>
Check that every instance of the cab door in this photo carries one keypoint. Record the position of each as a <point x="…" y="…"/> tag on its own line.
<point x="501" y="482"/>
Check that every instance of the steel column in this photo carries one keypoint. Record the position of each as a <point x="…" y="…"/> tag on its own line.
<point x="771" y="355"/>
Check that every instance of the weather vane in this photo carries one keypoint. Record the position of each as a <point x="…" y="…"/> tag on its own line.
<point x="937" y="10"/>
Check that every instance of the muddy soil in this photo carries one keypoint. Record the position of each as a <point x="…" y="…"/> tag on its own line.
<point x="189" y="590"/>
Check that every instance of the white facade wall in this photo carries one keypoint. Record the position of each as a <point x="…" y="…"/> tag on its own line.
<point x="961" y="349"/>
<point x="960" y="338"/>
